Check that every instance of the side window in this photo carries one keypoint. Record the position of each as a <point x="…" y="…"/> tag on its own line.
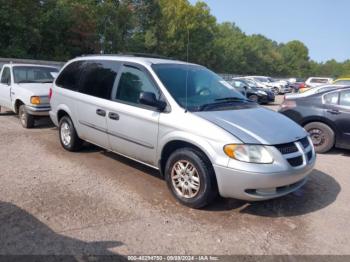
<point x="69" y="77"/>
<point x="132" y="82"/>
<point x="98" y="78"/>
<point x="345" y="98"/>
<point x="331" y="98"/>
<point x="6" y="76"/>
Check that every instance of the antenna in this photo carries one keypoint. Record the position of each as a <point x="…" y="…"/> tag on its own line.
<point x="187" y="58"/>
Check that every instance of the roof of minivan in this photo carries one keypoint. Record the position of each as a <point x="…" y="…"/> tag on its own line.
<point x="33" y="65"/>
<point x="137" y="59"/>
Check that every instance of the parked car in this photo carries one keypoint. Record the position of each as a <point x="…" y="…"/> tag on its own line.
<point x="325" y="115"/>
<point x="314" y="82"/>
<point x="342" y="81"/>
<point x="24" y="89"/>
<point x="253" y="93"/>
<point x="184" y="120"/>
<point x="312" y="91"/>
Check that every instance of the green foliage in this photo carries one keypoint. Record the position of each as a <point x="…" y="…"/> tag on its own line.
<point x="63" y="29"/>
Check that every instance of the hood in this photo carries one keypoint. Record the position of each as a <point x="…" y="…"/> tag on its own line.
<point x="37" y="89"/>
<point x="256" y="125"/>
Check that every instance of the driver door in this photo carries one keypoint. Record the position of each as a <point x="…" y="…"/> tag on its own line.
<point x="5" y="88"/>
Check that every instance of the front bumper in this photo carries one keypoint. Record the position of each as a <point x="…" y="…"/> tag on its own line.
<point x="255" y="186"/>
<point x="38" y="110"/>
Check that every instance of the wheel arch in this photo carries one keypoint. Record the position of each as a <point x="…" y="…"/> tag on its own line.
<point x="17" y="104"/>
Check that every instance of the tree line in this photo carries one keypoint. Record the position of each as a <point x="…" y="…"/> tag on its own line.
<point x="63" y="29"/>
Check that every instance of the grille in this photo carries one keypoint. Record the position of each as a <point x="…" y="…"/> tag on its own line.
<point x="287" y="148"/>
<point x="305" y="142"/>
<point x="295" y="161"/>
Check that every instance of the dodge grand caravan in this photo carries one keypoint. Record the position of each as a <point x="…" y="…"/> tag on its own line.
<point x="204" y="137"/>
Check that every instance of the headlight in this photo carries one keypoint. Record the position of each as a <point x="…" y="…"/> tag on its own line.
<point x="35" y="100"/>
<point x="249" y="153"/>
<point x="262" y="92"/>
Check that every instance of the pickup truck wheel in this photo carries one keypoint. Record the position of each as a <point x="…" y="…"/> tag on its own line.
<point x="191" y="178"/>
<point x="322" y="136"/>
<point x="68" y="135"/>
<point x="26" y="119"/>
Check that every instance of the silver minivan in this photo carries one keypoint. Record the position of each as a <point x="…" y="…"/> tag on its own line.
<point x="204" y="137"/>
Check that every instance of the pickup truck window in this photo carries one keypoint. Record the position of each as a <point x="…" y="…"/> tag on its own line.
<point x="33" y="74"/>
<point x="6" y="76"/>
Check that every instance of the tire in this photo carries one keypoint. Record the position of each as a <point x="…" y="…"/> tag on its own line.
<point x="68" y="135"/>
<point x="322" y="136"/>
<point x="202" y="178"/>
<point x="276" y="91"/>
<point x="254" y="98"/>
<point x="27" y="120"/>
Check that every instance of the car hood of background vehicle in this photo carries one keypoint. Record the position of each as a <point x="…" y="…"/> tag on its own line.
<point x="256" y="125"/>
<point x="37" y="89"/>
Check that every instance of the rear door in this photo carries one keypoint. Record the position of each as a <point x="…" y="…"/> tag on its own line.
<point x="5" y="87"/>
<point x="97" y="80"/>
<point x="133" y="127"/>
<point x="343" y="118"/>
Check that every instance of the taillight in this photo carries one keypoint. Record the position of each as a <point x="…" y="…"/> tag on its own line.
<point x="50" y="93"/>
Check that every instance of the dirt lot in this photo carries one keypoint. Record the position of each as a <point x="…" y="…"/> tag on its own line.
<point x="95" y="202"/>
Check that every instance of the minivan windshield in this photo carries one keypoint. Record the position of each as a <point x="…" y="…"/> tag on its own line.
<point x="34" y="74"/>
<point x="205" y="89"/>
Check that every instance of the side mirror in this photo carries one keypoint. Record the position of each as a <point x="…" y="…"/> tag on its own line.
<point x="149" y="99"/>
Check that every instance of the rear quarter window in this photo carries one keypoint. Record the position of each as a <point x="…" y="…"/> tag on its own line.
<point x="69" y="77"/>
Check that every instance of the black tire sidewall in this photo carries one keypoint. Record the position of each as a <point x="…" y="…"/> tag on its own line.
<point x="256" y="98"/>
<point x="29" y="119"/>
<point x="207" y="191"/>
<point x="72" y="145"/>
<point x="327" y="131"/>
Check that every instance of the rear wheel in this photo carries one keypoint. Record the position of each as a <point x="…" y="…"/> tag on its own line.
<point x="191" y="178"/>
<point x="253" y="98"/>
<point x="68" y="135"/>
<point x="27" y="120"/>
<point x="322" y="136"/>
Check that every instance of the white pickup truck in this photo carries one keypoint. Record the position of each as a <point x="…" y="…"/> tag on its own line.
<point x="24" y="88"/>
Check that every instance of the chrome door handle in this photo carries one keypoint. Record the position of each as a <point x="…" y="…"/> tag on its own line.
<point x="113" y="116"/>
<point x="101" y="112"/>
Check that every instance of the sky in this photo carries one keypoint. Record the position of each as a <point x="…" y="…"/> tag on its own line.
<point x="322" y="25"/>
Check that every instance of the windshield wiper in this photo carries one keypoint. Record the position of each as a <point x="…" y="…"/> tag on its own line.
<point x="222" y="102"/>
<point x="234" y="99"/>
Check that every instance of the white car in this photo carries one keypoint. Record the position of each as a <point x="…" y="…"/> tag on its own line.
<point x="318" y="81"/>
<point x="24" y="88"/>
<point x="278" y="87"/>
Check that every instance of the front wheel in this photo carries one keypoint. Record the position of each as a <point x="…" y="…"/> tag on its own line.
<point x="276" y="91"/>
<point x="322" y="136"/>
<point x="27" y="120"/>
<point x="191" y="178"/>
<point x="68" y="135"/>
<point x="253" y="98"/>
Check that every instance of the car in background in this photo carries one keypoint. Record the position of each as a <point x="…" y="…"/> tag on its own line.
<point x="312" y="91"/>
<point x="325" y="116"/>
<point x="277" y="86"/>
<point x="24" y="89"/>
<point x="342" y="81"/>
<point x="312" y="82"/>
<point x="253" y="93"/>
<point x="296" y="84"/>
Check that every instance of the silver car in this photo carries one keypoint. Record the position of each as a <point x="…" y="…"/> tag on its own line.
<point x="204" y="137"/>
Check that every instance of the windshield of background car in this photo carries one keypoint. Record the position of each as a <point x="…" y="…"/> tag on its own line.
<point x="34" y="74"/>
<point x="319" y="80"/>
<point x="203" y="86"/>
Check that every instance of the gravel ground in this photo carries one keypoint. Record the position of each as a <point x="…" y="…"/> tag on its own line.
<point x="95" y="202"/>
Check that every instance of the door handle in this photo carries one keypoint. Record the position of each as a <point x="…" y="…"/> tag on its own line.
<point x="113" y="116"/>
<point x="101" y="112"/>
<point x="334" y="111"/>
